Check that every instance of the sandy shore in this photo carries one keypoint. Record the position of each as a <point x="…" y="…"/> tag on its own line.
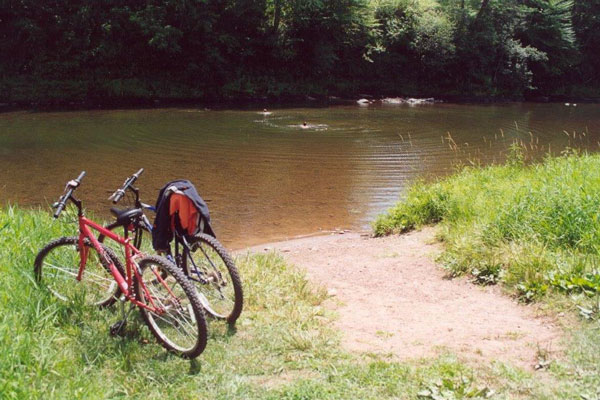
<point x="392" y="298"/>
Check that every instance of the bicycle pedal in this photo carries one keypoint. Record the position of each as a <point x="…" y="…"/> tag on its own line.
<point x="118" y="328"/>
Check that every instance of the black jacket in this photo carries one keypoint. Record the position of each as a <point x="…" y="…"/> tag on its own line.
<point x="161" y="232"/>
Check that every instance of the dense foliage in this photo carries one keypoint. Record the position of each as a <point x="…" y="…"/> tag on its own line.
<point x="56" y="51"/>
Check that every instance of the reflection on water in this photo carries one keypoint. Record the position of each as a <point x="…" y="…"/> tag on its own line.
<point x="265" y="175"/>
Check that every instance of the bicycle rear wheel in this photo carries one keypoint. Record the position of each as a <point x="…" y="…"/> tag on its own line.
<point x="57" y="267"/>
<point x="178" y="322"/>
<point x="213" y="272"/>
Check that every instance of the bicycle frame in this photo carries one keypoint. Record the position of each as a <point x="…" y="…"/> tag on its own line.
<point x="132" y="269"/>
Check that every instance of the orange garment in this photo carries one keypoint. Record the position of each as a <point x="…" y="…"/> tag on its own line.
<point x="188" y="214"/>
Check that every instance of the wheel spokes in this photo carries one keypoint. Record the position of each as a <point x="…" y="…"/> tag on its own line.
<point x="59" y="270"/>
<point x="211" y="268"/>
<point x="170" y="319"/>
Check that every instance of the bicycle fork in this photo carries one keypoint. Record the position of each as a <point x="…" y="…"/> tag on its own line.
<point x="118" y="328"/>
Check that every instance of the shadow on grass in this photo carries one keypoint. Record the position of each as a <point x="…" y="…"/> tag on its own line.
<point x="231" y="330"/>
<point x="195" y="367"/>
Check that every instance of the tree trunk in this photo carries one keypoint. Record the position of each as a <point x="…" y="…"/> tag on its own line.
<point x="276" y="15"/>
<point x="484" y="4"/>
<point x="463" y="15"/>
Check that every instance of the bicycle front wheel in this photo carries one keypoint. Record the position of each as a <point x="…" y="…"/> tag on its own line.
<point x="213" y="272"/>
<point x="57" y="267"/>
<point x="175" y="317"/>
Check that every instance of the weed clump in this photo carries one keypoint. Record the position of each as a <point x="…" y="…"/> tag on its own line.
<point x="423" y="205"/>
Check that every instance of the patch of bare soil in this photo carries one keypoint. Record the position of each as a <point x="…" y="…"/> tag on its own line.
<point x="392" y="298"/>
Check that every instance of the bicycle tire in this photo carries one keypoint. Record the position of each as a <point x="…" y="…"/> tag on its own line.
<point x="225" y="299"/>
<point x="179" y="289"/>
<point x="62" y="256"/>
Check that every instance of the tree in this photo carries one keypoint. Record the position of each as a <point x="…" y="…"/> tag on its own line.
<point x="586" y="21"/>
<point x="547" y="26"/>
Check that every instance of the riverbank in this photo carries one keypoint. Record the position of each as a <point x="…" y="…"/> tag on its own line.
<point x="533" y="228"/>
<point x="287" y="343"/>
<point x="258" y="103"/>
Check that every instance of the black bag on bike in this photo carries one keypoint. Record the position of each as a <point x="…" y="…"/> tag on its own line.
<point x="179" y="208"/>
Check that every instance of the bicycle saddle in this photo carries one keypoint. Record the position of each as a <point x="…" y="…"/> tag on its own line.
<point x="126" y="216"/>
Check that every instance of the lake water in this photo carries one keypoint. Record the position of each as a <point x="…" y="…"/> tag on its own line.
<point x="267" y="177"/>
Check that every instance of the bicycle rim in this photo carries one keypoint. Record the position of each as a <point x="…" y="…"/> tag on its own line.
<point x="178" y="323"/>
<point x="57" y="267"/>
<point x="215" y="276"/>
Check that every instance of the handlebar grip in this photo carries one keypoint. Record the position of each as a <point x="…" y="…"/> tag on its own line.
<point x="118" y="195"/>
<point x="80" y="177"/>
<point x="71" y="186"/>
<point x="62" y="202"/>
<point x="59" y="209"/>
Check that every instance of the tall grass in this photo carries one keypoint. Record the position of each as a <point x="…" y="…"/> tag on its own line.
<point x="285" y="346"/>
<point x="535" y="228"/>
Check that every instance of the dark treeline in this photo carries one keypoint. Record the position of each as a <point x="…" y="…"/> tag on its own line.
<point x="99" y="50"/>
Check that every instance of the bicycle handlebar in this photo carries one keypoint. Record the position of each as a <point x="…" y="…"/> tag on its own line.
<point x="119" y="193"/>
<point x="71" y="186"/>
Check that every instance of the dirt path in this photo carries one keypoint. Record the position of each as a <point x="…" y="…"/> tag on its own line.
<point x="393" y="299"/>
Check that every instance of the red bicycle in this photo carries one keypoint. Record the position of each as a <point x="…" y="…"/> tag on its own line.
<point x="201" y="257"/>
<point x="81" y="269"/>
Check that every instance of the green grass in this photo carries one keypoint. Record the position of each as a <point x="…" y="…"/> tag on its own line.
<point x="535" y="229"/>
<point x="285" y="346"/>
